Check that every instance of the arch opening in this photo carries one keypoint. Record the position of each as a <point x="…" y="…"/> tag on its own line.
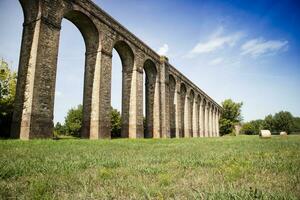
<point x="149" y="94"/>
<point x="71" y="76"/>
<point x="122" y="72"/>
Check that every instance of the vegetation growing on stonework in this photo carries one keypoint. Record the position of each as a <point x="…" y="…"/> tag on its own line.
<point x="8" y="80"/>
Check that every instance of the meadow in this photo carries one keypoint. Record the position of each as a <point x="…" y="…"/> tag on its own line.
<point x="242" y="167"/>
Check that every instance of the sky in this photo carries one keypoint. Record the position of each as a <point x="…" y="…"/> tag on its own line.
<point x="248" y="51"/>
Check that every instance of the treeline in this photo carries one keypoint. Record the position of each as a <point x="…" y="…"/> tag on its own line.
<point x="232" y="116"/>
<point x="281" y="121"/>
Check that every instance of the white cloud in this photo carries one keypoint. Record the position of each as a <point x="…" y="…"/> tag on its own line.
<point x="163" y="50"/>
<point x="259" y="46"/>
<point x="216" y="41"/>
<point x="216" y="61"/>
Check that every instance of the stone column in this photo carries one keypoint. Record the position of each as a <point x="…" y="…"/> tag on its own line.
<point x="218" y="126"/>
<point x="206" y="118"/>
<point x="164" y="97"/>
<point x="33" y="114"/>
<point x="91" y="90"/>
<point x="186" y="116"/>
<point x="215" y="114"/>
<point x="213" y="121"/>
<point x="135" y="128"/>
<point x="210" y="120"/>
<point x="195" y="117"/>
<point x="157" y="110"/>
<point x="178" y="109"/>
<point x="101" y="96"/>
<point x="201" y="118"/>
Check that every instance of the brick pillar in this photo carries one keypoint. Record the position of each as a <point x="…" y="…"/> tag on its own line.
<point x="136" y="103"/>
<point x="101" y="96"/>
<point x="33" y="114"/>
<point x="164" y="98"/>
<point x="195" y="117"/>
<point x="213" y="121"/>
<point x="210" y="121"/>
<point x="157" y="110"/>
<point x="178" y="110"/>
<point x="186" y="116"/>
<point x="201" y="118"/>
<point x="206" y="118"/>
<point x="218" y="126"/>
<point x="91" y="86"/>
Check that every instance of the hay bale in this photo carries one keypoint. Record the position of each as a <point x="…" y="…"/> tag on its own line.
<point x="283" y="133"/>
<point x="265" y="134"/>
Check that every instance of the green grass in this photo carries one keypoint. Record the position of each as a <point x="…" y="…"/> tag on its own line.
<point x="243" y="167"/>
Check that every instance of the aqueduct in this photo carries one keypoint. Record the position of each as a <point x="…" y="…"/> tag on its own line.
<point x="175" y="107"/>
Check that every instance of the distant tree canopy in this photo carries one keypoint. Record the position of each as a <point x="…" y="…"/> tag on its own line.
<point x="281" y="121"/>
<point x="73" y="123"/>
<point x="230" y="116"/>
<point x="8" y="80"/>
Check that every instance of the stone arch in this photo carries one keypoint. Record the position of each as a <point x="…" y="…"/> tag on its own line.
<point x="91" y="37"/>
<point x="86" y="27"/>
<point x="172" y="108"/>
<point x="38" y="64"/>
<point x="151" y="99"/>
<point x="183" y="110"/>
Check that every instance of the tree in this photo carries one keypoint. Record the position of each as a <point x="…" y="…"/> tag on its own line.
<point x="252" y="127"/>
<point x="73" y="121"/>
<point x="296" y="127"/>
<point x="283" y="121"/>
<point x="230" y="116"/>
<point x="8" y="80"/>
<point x="115" y="123"/>
<point x="268" y="123"/>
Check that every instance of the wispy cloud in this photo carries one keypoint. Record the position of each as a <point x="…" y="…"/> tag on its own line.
<point x="216" y="61"/>
<point x="215" y="42"/>
<point x="257" y="47"/>
<point x="163" y="50"/>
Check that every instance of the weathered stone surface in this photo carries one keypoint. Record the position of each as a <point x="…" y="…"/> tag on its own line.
<point x="175" y="107"/>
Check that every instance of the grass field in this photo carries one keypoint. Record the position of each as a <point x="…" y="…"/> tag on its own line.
<point x="243" y="167"/>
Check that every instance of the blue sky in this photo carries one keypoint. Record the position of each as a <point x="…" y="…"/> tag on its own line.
<point x="245" y="50"/>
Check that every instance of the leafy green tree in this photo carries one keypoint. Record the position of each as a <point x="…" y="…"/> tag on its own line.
<point x="230" y="116"/>
<point x="73" y="121"/>
<point x="296" y="126"/>
<point x="248" y="129"/>
<point x="252" y="127"/>
<point x="283" y="121"/>
<point x="115" y="123"/>
<point x="59" y="129"/>
<point x="8" y="80"/>
<point x="268" y="123"/>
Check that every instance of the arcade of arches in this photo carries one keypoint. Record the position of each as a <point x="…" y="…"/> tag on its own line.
<point x="175" y="107"/>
